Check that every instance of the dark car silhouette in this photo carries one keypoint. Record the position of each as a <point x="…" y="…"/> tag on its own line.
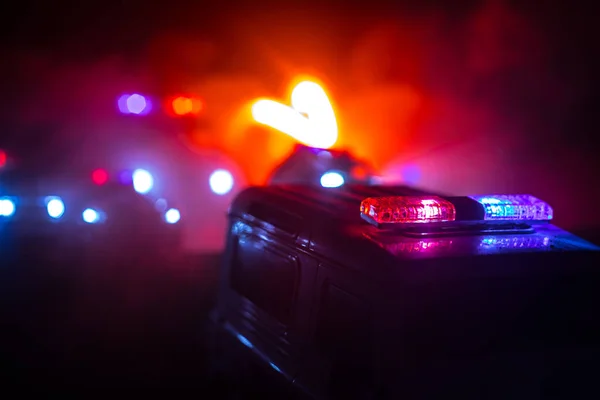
<point x="308" y="166"/>
<point x="391" y="292"/>
<point x="63" y="215"/>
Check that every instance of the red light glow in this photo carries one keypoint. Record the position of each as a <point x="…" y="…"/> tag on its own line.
<point x="310" y="119"/>
<point x="3" y="158"/>
<point x="186" y="105"/>
<point x="99" y="177"/>
<point x="384" y="210"/>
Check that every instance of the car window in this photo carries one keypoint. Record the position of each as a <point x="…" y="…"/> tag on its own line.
<point x="265" y="276"/>
<point x="287" y="222"/>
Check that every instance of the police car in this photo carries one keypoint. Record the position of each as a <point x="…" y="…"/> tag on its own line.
<point x="392" y="292"/>
<point x="325" y="167"/>
<point x="72" y="215"/>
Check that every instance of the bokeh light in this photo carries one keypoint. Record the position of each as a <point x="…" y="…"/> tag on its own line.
<point x="134" y="104"/>
<point x="160" y="205"/>
<point x="126" y="177"/>
<point x="3" y="158"/>
<point x="99" y="177"/>
<point x="143" y="182"/>
<point x="310" y="120"/>
<point x="186" y="105"/>
<point x="332" y="179"/>
<point x="221" y="181"/>
<point x="7" y="207"/>
<point x="55" y="207"/>
<point x="90" y="216"/>
<point x="172" y="216"/>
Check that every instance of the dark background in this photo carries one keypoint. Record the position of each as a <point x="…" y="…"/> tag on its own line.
<point x="516" y="81"/>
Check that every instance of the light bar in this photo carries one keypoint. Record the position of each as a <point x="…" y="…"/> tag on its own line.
<point x="514" y="208"/>
<point x="406" y="210"/>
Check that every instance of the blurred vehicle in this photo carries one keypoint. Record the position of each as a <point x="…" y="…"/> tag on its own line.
<point x="155" y="151"/>
<point x="64" y="215"/>
<point x="322" y="167"/>
<point x="144" y="142"/>
<point x="391" y="292"/>
<point x="200" y="184"/>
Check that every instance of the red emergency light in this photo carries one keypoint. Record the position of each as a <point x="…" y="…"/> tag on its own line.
<point x="500" y="209"/>
<point x="407" y="209"/>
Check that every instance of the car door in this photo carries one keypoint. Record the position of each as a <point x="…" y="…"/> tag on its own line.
<point x="338" y="329"/>
<point x="265" y="277"/>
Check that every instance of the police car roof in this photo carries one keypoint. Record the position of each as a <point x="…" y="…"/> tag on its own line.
<point x="330" y="220"/>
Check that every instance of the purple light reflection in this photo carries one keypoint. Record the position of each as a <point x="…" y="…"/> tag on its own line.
<point x="418" y="246"/>
<point x="134" y="104"/>
<point x="126" y="177"/>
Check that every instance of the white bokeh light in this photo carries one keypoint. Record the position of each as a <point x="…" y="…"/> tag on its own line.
<point x="55" y="207"/>
<point x="221" y="181"/>
<point x="90" y="216"/>
<point x="332" y="179"/>
<point x="143" y="182"/>
<point x="172" y="216"/>
<point x="7" y="207"/>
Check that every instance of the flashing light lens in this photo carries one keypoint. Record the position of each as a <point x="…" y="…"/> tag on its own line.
<point x="55" y="207"/>
<point x="91" y="216"/>
<point x="407" y="209"/>
<point x="172" y="216"/>
<point x="332" y="179"/>
<point x="7" y="207"/>
<point x="143" y="182"/>
<point x="514" y="208"/>
<point x="221" y="182"/>
<point x="99" y="177"/>
<point x="3" y="158"/>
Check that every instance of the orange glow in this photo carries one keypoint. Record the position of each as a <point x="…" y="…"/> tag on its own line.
<point x="3" y="158"/>
<point x="310" y="120"/>
<point x="185" y="105"/>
